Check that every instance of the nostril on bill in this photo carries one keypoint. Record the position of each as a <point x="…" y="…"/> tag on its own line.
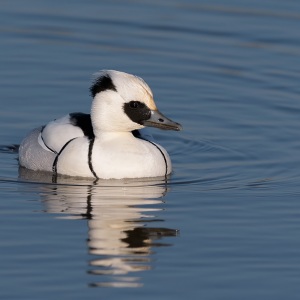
<point x="161" y="120"/>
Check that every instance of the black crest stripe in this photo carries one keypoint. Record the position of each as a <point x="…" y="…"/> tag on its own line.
<point x="91" y="145"/>
<point x="102" y="83"/>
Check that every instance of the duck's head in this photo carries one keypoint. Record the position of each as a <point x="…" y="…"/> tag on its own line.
<point x="124" y="102"/>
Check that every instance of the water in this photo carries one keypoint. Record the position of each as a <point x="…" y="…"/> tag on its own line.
<point x="226" y="225"/>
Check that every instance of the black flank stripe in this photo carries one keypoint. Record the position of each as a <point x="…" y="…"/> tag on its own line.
<point x="54" y="166"/>
<point x="91" y="145"/>
<point x="45" y="143"/>
<point x="139" y="137"/>
<point x="162" y="155"/>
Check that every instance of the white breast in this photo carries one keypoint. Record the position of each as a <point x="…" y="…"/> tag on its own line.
<point x="114" y="156"/>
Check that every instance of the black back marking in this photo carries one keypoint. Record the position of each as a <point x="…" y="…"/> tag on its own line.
<point x="101" y="84"/>
<point x="83" y="121"/>
<point x="91" y="145"/>
<point x="137" y="111"/>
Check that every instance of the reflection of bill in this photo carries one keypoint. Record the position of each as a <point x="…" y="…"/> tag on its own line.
<point x="120" y="241"/>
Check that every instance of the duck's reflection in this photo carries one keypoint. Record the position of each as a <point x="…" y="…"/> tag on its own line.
<point x="123" y="227"/>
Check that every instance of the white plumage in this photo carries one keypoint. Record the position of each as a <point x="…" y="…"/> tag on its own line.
<point x="105" y="144"/>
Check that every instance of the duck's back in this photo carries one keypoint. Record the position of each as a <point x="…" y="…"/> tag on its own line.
<point x="41" y="146"/>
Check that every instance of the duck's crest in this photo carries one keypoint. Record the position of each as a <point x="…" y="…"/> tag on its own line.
<point x="102" y="83"/>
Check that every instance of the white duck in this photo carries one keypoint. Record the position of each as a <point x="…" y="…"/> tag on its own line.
<point x="105" y="144"/>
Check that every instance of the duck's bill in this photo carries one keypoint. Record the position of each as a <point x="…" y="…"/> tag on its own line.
<point x="158" y="120"/>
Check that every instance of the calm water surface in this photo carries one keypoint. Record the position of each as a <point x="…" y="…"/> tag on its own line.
<point x="226" y="224"/>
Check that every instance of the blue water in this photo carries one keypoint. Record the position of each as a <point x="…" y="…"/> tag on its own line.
<point x="226" y="225"/>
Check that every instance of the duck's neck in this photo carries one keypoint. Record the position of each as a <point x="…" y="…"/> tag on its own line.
<point x="107" y="135"/>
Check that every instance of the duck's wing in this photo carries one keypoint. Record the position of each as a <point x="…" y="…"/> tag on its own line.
<point x="57" y="133"/>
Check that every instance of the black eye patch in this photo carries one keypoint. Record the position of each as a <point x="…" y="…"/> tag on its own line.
<point x="135" y="104"/>
<point x="137" y="111"/>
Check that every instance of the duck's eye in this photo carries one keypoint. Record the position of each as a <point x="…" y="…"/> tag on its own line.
<point x="137" y="111"/>
<point x="135" y="104"/>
